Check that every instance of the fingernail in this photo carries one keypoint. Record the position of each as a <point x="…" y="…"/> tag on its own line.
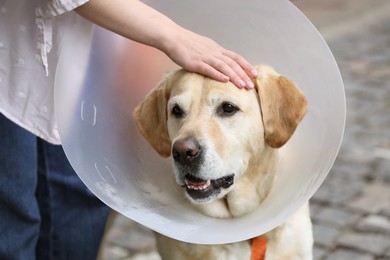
<point x="250" y="84"/>
<point x="225" y="78"/>
<point x="241" y="83"/>
<point x="254" y="73"/>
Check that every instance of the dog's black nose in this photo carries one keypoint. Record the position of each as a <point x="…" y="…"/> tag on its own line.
<point x="186" y="150"/>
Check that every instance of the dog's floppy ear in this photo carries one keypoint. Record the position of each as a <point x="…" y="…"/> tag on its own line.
<point x="283" y="105"/>
<point x="151" y="118"/>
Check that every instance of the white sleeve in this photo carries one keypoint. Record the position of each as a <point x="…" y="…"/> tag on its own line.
<point x="45" y="13"/>
<point x="52" y="8"/>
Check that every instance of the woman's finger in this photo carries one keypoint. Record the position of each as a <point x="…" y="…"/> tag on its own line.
<point x="236" y="72"/>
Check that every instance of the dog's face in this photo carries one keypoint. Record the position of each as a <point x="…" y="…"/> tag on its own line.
<point x="213" y="128"/>
<point x="216" y="132"/>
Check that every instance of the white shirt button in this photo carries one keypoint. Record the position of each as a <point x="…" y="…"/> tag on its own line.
<point x="43" y="109"/>
<point x="21" y="94"/>
<point x="20" y="61"/>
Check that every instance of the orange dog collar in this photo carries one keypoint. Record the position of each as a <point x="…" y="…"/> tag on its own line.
<point x="259" y="246"/>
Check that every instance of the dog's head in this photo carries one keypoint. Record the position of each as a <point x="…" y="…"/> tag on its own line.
<point x="215" y="131"/>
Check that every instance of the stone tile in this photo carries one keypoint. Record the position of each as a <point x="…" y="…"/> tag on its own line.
<point x="334" y="192"/>
<point x="324" y="235"/>
<point x="366" y="242"/>
<point x="126" y="239"/>
<point x="387" y="254"/>
<point x="383" y="258"/>
<point x="383" y="170"/>
<point x="336" y="217"/>
<point x="315" y="209"/>
<point x="349" y="169"/>
<point x="385" y="212"/>
<point x="138" y="238"/>
<point x="112" y="252"/>
<point x="145" y="256"/>
<point x="374" y="223"/>
<point x="343" y="254"/>
<point x="374" y="198"/>
<point x="319" y="253"/>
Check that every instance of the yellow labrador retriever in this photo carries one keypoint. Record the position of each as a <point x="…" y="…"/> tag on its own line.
<point x="223" y="142"/>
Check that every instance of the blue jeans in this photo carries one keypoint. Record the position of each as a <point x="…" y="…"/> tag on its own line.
<point x="46" y="212"/>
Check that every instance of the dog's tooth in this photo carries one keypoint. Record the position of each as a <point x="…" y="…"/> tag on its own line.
<point x="197" y="187"/>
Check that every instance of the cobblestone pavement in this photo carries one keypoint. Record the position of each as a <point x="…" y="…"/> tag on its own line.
<point x="351" y="210"/>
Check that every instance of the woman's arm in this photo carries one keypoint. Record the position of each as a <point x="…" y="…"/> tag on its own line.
<point x="139" y="22"/>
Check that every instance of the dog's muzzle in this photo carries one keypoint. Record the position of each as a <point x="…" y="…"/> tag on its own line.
<point x="188" y="157"/>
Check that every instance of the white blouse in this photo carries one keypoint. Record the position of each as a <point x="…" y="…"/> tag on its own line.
<point x="31" y="33"/>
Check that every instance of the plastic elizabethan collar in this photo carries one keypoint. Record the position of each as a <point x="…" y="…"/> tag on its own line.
<point x="96" y="92"/>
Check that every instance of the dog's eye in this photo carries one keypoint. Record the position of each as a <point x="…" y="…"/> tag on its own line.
<point x="227" y="109"/>
<point x="177" y="112"/>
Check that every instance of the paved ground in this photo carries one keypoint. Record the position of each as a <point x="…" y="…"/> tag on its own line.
<point x="351" y="210"/>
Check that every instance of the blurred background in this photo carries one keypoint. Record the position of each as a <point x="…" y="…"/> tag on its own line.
<point x="351" y="210"/>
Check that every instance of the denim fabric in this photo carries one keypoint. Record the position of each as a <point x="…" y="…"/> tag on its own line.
<point x="46" y="212"/>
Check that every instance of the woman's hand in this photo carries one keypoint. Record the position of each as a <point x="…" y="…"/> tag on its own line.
<point x="200" y="54"/>
<point x="139" y="22"/>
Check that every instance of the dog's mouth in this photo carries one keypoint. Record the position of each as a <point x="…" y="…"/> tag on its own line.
<point x="201" y="190"/>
